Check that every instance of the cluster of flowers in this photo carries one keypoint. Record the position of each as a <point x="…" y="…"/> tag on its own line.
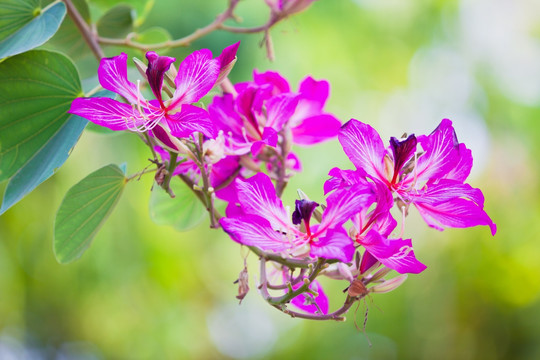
<point x="240" y="150"/>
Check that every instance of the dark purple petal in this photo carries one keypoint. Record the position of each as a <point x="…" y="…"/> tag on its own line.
<point x="403" y="150"/>
<point x="316" y="129"/>
<point x="189" y="120"/>
<point x="257" y="196"/>
<point x="108" y="113"/>
<point x="457" y="213"/>
<point x="197" y="75"/>
<point x="307" y="305"/>
<point x="112" y="74"/>
<point x="256" y="231"/>
<point x="441" y="153"/>
<point x="303" y="210"/>
<point x="396" y="254"/>
<point x="157" y="66"/>
<point x="364" y="147"/>
<point x="336" y="244"/>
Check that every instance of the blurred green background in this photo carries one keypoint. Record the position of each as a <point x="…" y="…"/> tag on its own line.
<point x="146" y="291"/>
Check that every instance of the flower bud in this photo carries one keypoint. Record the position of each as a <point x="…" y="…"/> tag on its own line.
<point x="389" y="285"/>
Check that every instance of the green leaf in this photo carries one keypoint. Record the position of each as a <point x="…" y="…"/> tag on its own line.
<point x="142" y="7"/>
<point x="117" y="22"/>
<point x="47" y="160"/>
<point x="44" y="163"/>
<point x="153" y="35"/>
<point x="83" y="211"/>
<point x="24" y="26"/>
<point x="37" y="89"/>
<point x="182" y="212"/>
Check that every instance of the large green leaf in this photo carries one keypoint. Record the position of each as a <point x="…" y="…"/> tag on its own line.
<point x="83" y="211"/>
<point x="117" y="22"/>
<point x="25" y="26"/>
<point x="44" y="163"/>
<point x="36" y="89"/>
<point x="47" y="160"/>
<point x="182" y="212"/>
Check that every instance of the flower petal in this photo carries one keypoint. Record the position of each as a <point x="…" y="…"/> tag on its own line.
<point x="445" y="190"/>
<point x="256" y="231"/>
<point x="227" y="59"/>
<point x="396" y="254"/>
<point x="197" y="74"/>
<point x="269" y="137"/>
<point x="441" y="153"/>
<point x="342" y="205"/>
<point x="316" y="129"/>
<point x="336" y="244"/>
<point x="457" y="213"/>
<point x="157" y="66"/>
<point x="257" y="196"/>
<point x="107" y="112"/>
<point x="277" y="82"/>
<point x="313" y="95"/>
<point x="463" y="168"/>
<point x="112" y="74"/>
<point x="189" y="120"/>
<point x="364" y="147"/>
<point x="280" y="109"/>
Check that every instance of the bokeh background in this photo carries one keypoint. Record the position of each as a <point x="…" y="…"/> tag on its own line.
<point x="148" y="291"/>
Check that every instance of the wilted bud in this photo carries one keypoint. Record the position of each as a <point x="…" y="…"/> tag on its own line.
<point x="389" y="285"/>
<point x="243" y="284"/>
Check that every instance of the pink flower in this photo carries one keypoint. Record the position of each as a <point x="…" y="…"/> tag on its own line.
<point x="372" y="226"/>
<point x="197" y="74"/>
<point x="263" y="110"/>
<point x="262" y="221"/>
<point x="433" y="181"/>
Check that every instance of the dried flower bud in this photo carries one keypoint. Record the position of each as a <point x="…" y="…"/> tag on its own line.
<point x="389" y="285"/>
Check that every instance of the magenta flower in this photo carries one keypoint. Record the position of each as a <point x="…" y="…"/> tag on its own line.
<point x="197" y="74"/>
<point x="264" y="109"/>
<point x="433" y="181"/>
<point x="262" y="221"/>
<point x="373" y="224"/>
